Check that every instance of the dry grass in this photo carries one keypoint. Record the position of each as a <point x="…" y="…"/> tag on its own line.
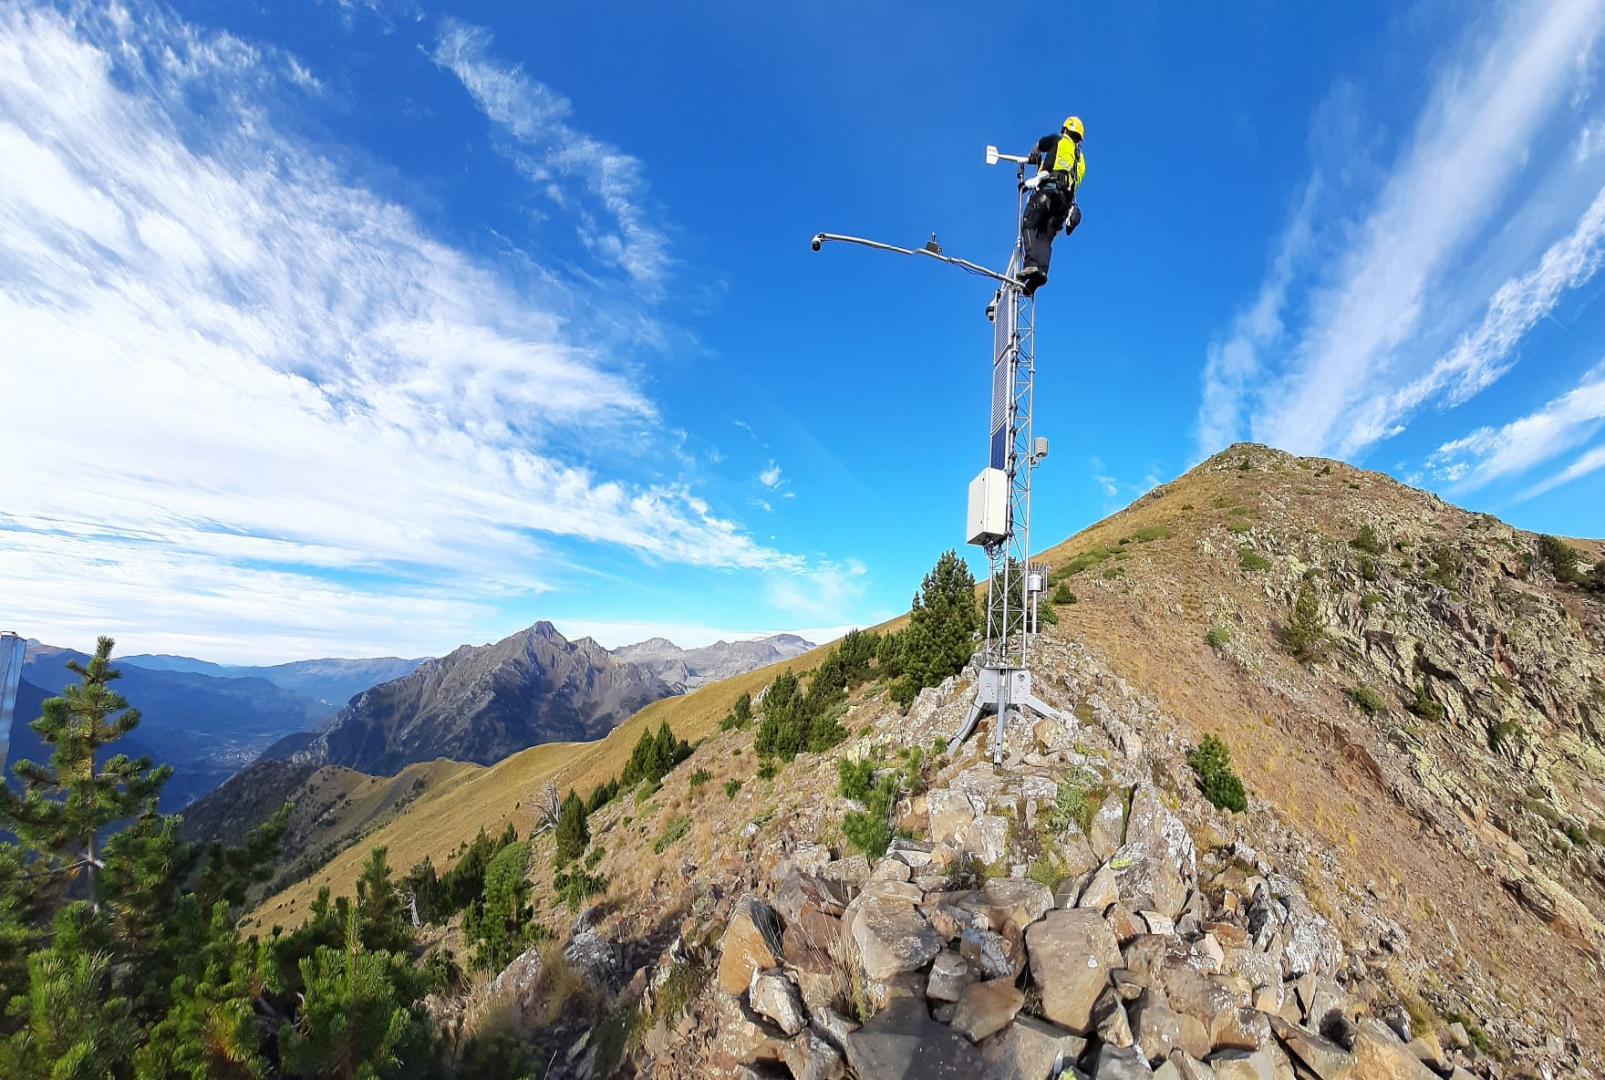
<point x="451" y="811"/>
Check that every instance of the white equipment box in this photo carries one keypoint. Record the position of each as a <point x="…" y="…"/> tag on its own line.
<point x="989" y="507"/>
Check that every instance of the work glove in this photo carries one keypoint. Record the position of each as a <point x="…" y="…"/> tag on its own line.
<point x="1073" y="220"/>
<point x="1032" y="183"/>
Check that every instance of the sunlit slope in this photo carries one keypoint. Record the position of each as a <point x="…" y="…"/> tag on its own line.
<point x="447" y="812"/>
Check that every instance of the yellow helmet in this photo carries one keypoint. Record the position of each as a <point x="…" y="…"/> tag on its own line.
<point x="1072" y="126"/>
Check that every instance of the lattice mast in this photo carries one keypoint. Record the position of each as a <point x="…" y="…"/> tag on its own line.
<point x="1000" y="497"/>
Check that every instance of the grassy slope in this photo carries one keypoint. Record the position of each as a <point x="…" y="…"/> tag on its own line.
<point x="448" y="813"/>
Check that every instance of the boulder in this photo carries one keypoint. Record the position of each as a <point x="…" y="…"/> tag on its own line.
<point x="984" y="838"/>
<point x="1009" y="903"/>
<point x="849" y="873"/>
<point x="809" y="938"/>
<point x="1181" y="1065"/>
<point x="1154" y="1025"/>
<point x="985" y="1008"/>
<point x="799" y="892"/>
<point x="1071" y="955"/>
<point x="949" y="811"/>
<point x="950" y="974"/>
<point x="775" y="999"/>
<point x="833" y="1025"/>
<point x="1101" y="891"/>
<point x="916" y="853"/>
<point x="810" y="1056"/>
<point x="1379" y="1055"/>
<point x="902" y="1041"/>
<point x="1108" y="828"/>
<point x="993" y="955"/>
<point x="891" y="870"/>
<point x="1120" y="1063"/>
<point x="893" y="938"/>
<point x="751" y="943"/>
<point x="1109" y="1019"/>
<point x="883" y="889"/>
<point x="1326" y="1059"/>
<point x="1030" y="1049"/>
<point x="1264" y="1063"/>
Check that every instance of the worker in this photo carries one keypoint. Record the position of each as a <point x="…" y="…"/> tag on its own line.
<point x="1061" y="166"/>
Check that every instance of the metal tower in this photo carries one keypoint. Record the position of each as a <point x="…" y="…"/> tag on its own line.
<point x="13" y="650"/>
<point x="1000" y="497"/>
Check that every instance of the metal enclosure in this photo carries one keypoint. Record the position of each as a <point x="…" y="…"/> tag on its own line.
<point x="988" y="520"/>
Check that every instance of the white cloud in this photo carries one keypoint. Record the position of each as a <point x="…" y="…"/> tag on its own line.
<point x="613" y="634"/>
<point x="1490" y="453"/>
<point x="1590" y="462"/>
<point x="1484" y="353"/>
<point x="232" y="371"/>
<point x="823" y="593"/>
<point x="553" y="150"/>
<point x="770" y="476"/>
<point x="1361" y="357"/>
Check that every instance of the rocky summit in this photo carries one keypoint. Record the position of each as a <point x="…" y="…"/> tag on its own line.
<point x="1325" y="798"/>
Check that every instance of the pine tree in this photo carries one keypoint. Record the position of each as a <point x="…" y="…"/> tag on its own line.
<point x="940" y="637"/>
<point x="74" y="1024"/>
<point x="68" y="802"/>
<point x="499" y="928"/>
<point x="212" y="1029"/>
<point x="379" y="905"/>
<point x="572" y="831"/>
<point x="742" y="709"/>
<point x="360" y="1015"/>
<point x="1306" y="633"/>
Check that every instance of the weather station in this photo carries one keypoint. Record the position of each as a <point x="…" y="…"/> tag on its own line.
<point x="999" y="507"/>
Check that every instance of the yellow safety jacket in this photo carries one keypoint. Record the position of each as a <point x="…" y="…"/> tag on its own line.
<point x="1069" y="163"/>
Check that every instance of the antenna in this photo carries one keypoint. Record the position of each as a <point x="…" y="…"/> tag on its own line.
<point x="999" y="518"/>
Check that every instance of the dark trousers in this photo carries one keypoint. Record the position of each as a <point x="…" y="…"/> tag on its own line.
<point x="1045" y="213"/>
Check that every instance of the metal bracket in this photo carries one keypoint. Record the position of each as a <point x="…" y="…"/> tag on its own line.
<point x="1000" y="689"/>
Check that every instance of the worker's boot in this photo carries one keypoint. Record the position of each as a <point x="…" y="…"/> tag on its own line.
<point x="1031" y="279"/>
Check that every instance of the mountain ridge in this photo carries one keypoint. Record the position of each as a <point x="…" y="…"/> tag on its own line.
<point x="1440" y="763"/>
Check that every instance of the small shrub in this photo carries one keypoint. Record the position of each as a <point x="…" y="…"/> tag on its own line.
<point x="1502" y="733"/>
<point x="1077" y="801"/>
<point x="1445" y="566"/>
<point x="939" y="746"/>
<point x="868" y="832"/>
<point x="1150" y="534"/>
<point x="856" y="779"/>
<point x="1504" y="684"/>
<point x="1424" y="706"/>
<point x="767" y="769"/>
<point x="1368" y="541"/>
<point x="1217" y="637"/>
<point x="1237" y="526"/>
<point x="1245" y="465"/>
<point x="1306" y="633"/>
<point x="575" y="886"/>
<point x="1562" y="559"/>
<point x="1212" y="763"/>
<point x="673" y="832"/>
<point x="1047" y="871"/>
<point x="1063" y="595"/>
<point x="731" y="787"/>
<point x="1250" y="559"/>
<point x="1368" y="568"/>
<point x="1369" y="601"/>
<point x="594" y="856"/>
<point x="700" y="777"/>
<point x="1367" y="700"/>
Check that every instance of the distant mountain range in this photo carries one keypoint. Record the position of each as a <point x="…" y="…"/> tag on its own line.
<point x="687" y="669"/>
<point x="329" y="682"/>
<point x="477" y="704"/>
<point x="481" y="703"/>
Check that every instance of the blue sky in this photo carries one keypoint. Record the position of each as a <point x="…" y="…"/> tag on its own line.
<point x="376" y="327"/>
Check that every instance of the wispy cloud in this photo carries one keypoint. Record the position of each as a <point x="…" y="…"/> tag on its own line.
<point x="1360" y="358"/>
<point x="770" y="476"/>
<point x="1494" y="453"/>
<point x="560" y="159"/>
<point x="824" y="593"/>
<point x="287" y="399"/>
